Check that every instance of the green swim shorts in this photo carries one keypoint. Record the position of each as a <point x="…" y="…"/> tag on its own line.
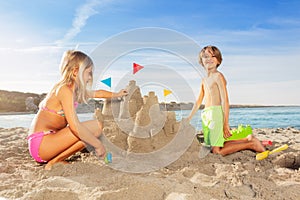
<point x="212" y="126"/>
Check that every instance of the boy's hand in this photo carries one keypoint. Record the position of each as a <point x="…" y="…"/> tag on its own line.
<point x="226" y="132"/>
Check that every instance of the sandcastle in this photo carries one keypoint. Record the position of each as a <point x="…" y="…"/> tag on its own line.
<point x="137" y="124"/>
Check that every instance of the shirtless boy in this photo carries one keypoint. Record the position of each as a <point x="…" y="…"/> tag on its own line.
<point x="215" y="115"/>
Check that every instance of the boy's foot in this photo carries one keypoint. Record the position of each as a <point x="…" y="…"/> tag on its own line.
<point x="257" y="145"/>
<point x="250" y="137"/>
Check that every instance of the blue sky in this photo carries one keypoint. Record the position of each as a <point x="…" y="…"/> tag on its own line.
<point x="259" y="40"/>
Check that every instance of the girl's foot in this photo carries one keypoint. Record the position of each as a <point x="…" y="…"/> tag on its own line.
<point x="49" y="165"/>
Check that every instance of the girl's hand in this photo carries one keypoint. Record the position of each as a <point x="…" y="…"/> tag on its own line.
<point x="100" y="151"/>
<point x="226" y="131"/>
<point x="98" y="115"/>
<point x="122" y="93"/>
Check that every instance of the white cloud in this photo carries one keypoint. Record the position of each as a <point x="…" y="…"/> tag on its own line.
<point x="83" y="13"/>
<point x="30" y="58"/>
<point x="260" y="64"/>
<point x="260" y="68"/>
<point x="285" y="22"/>
<point x="272" y="93"/>
<point x="254" y="41"/>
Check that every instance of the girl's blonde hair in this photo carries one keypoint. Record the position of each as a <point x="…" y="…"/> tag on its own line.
<point x="75" y="60"/>
<point x="214" y="51"/>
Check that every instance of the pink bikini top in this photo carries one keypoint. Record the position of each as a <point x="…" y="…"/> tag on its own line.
<point x="60" y="112"/>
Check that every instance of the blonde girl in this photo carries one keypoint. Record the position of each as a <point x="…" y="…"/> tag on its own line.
<point x="56" y="132"/>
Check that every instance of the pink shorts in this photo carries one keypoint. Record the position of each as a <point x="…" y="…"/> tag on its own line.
<point x="34" y="142"/>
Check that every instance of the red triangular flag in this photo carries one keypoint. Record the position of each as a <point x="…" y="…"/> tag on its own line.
<point x="136" y="68"/>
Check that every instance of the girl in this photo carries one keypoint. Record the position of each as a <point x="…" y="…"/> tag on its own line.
<point x="56" y="133"/>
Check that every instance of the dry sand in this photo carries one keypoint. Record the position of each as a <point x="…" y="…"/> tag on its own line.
<point x="237" y="176"/>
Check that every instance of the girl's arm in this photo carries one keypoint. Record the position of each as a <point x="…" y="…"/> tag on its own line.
<point x="107" y="94"/>
<point x="225" y="104"/>
<point x="197" y="103"/>
<point x="65" y="96"/>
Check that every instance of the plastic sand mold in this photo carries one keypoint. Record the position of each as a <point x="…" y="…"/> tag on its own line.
<point x="240" y="133"/>
<point x="267" y="143"/>
<point x="108" y="158"/>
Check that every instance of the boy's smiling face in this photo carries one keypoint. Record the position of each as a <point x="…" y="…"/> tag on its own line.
<point x="209" y="60"/>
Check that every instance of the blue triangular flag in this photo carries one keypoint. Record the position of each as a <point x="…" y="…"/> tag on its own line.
<point x="107" y="82"/>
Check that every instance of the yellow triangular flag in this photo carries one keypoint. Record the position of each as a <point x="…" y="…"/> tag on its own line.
<point x="167" y="92"/>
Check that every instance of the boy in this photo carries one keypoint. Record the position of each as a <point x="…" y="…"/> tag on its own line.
<point x="215" y="116"/>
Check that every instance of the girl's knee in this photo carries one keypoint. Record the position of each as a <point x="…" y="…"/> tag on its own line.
<point x="98" y="130"/>
<point x="95" y="127"/>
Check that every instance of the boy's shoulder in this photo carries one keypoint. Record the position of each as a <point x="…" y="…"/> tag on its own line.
<point x="219" y="77"/>
<point x="219" y="74"/>
<point x="216" y="74"/>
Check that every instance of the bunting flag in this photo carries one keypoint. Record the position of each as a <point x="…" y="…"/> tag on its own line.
<point x="107" y="81"/>
<point x="167" y="92"/>
<point x="136" y="68"/>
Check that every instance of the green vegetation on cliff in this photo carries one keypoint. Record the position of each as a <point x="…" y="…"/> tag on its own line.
<point x="15" y="101"/>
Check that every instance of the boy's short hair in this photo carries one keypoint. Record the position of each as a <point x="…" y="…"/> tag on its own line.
<point x="214" y="51"/>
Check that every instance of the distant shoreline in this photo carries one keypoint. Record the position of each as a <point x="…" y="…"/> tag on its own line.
<point x="260" y="106"/>
<point x="16" y="113"/>
<point x="176" y="108"/>
<point x="18" y="103"/>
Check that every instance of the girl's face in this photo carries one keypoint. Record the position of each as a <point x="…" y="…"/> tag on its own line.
<point x="87" y="74"/>
<point x="209" y="60"/>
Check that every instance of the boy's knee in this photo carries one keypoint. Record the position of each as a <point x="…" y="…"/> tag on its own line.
<point x="217" y="150"/>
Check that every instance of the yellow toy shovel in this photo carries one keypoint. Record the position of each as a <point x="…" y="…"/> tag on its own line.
<point x="265" y="154"/>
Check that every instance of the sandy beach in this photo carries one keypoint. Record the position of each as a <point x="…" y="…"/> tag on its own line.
<point x="237" y="176"/>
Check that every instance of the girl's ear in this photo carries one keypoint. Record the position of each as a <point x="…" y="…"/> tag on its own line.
<point x="75" y="72"/>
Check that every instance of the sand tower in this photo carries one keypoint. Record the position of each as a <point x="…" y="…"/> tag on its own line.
<point x="111" y="107"/>
<point x="149" y="119"/>
<point x="131" y="103"/>
<point x="140" y="126"/>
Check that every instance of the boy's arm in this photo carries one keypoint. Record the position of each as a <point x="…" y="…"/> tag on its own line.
<point x="225" y="104"/>
<point x="197" y="103"/>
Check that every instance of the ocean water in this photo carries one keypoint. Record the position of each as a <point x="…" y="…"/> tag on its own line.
<point x="264" y="117"/>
